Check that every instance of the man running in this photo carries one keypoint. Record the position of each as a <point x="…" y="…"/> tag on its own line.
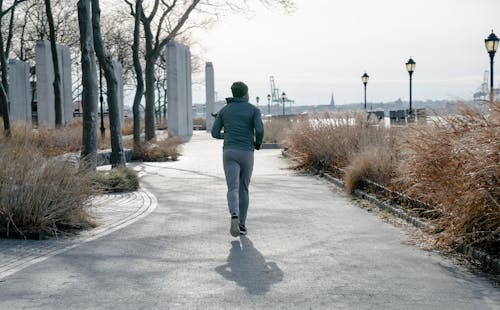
<point x="243" y="132"/>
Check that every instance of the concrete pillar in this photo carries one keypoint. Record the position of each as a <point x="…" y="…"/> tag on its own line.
<point x="189" y="91"/>
<point x="64" y="58"/>
<point x="44" y="84"/>
<point x="209" y="95"/>
<point x="119" y="87"/>
<point x="44" y="88"/>
<point x="19" y="91"/>
<point x="179" y="90"/>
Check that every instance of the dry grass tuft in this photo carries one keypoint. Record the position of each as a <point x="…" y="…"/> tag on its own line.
<point x="375" y="163"/>
<point x="128" y="126"/>
<point x="454" y="165"/>
<point x="330" y="140"/>
<point x="200" y="123"/>
<point x="50" y="142"/>
<point x="275" y="130"/>
<point x="37" y="194"/>
<point x="163" y="150"/>
<point x="53" y="142"/>
<point x="116" y="180"/>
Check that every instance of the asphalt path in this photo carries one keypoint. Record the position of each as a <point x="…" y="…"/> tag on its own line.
<point x="308" y="247"/>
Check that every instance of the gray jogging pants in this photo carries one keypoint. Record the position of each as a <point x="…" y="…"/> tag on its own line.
<point x="238" y="167"/>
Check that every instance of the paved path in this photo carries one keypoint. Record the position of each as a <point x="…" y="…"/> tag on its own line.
<point x="308" y="247"/>
<point x="111" y="212"/>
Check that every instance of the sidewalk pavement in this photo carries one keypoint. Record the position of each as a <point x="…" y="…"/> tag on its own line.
<point x="110" y="211"/>
<point x="308" y="247"/>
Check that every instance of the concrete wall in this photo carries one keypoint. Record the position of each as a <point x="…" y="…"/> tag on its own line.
<point x="44" y="84"/>
<point x="209" y="95"/>
<point x="179" y="89"/>
<point x="19" y="91"/>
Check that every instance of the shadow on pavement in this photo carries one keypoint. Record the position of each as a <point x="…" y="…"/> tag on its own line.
<point x="248" y="268"/>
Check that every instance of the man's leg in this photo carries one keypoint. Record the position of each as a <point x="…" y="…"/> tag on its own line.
<point x="246" y="169"/>
<point x="232" y="172"/>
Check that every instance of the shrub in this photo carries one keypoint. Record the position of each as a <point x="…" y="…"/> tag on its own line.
<point x="200" y="123"/>
<point x="55" y="141"/>
<point x="116" y="180"/>
<point x="163" y="150"/>
<point x="275" y="130"/>
<point x="48" y="141"/>
<point x="454" y="165"/>
<point x="331" y="140"/>
<point x="37" y="194"/>
<point x="375" y="163"/>
<point x="128" y="126"/>
<point x="451" y="164"/>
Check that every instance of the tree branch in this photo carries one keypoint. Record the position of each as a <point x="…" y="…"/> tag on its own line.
<point x="131" y="7"/>
<point x="177" y="28"/>
<point x="162" y="19"/>
<point x="153" y="12"/>
<point x="11" y="7"/>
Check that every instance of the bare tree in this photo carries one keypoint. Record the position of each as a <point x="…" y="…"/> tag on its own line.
<point x="32" y="24"/>
<point x="170" y="20"/>
<point x="118" y="35"/>
<point x="139" y="92"/>
<point x="117" y="155"/>
<point x="89" y="82"/>
<point x="55" y="65"/>
<point x="154" y="45"/>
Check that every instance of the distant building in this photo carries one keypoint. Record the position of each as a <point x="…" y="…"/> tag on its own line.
<point x="332" y="102"/>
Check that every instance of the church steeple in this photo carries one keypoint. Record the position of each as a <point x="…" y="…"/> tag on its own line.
<point x="332" y="101"/>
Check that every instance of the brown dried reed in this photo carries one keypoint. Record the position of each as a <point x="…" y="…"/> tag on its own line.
<point x="275" y="129"/>
<point x="332" y="139"/>
<point x="53" y="142"/>
<point x="454" y="165"/>
<point x="37" y="194"/>
<point x="162" y="150"/>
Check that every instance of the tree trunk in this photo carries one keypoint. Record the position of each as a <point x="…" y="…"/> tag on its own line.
<point x="55" y="64"/>
<point x="117" y="155"/>
<point x="4" y="102"/>
<point x="165" y="100"/>
<point x="150" y="96"/>
<point x="158" y="90"/>
<point x="89" y="84"/>
<point x="4" y="91"/>
<point x="139" y="92"/>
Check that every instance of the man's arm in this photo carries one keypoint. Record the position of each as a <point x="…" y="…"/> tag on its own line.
<point x="217" y="127"/>
<point x="259" y="128"/>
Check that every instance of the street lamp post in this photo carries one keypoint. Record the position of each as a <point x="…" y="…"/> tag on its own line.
<point x="101" y="99"/>
<point x="410" y="67"/>
<point x="283" y="97"/>
<point x="364" y="79"/>
<point x="491" y="46"/>
<point x="269" y="104"/>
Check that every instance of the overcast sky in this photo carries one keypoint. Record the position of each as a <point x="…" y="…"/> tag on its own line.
<point x="324" y="46"/>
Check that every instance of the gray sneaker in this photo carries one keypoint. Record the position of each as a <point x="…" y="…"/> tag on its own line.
<point x="234" y="230"/>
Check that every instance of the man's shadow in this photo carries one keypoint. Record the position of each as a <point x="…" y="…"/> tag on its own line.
<point x="248" y="268"/>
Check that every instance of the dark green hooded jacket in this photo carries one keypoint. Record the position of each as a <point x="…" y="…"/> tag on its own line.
<point x="242" y="124"/>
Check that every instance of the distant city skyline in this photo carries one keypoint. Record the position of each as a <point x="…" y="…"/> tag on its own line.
<point x="325" y="46"/>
